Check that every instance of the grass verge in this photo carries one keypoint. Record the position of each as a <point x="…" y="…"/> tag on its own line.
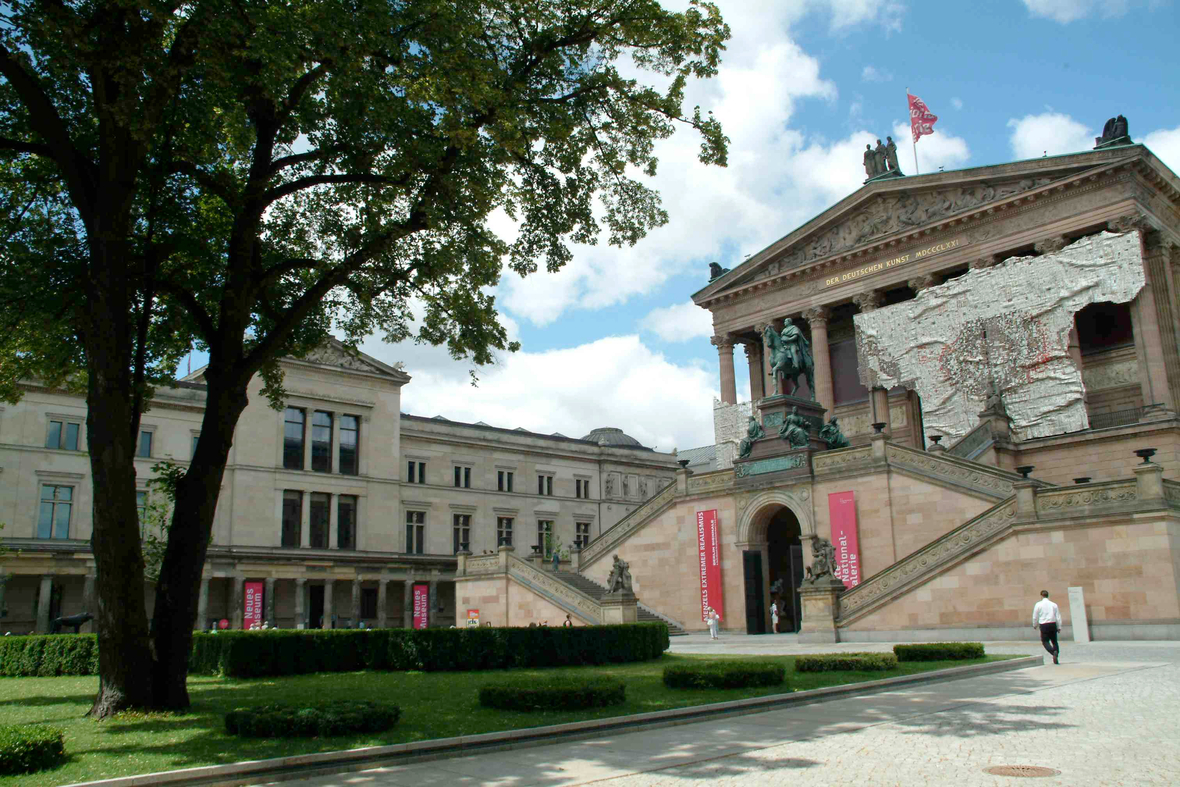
<point x="434" y="705"/>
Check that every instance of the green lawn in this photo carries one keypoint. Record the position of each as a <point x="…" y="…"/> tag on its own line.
<point x="434" y="705"/>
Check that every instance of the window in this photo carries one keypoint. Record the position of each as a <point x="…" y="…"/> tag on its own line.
<point x="581" y="533"/>
<point x="63" y="435"/>
<point x="292" y="518"/>
<point x="463" y="477"/>
<point x="346" y="522"/>
<point x="504" y="480"/>
<point x="321" y="442"/>
<point x="196" y="437"/>
<point x="368" y="603"/>
<point x="350" y="429"/>
<point x="582" y="488"/>
<point x="293" y="421"/>
<point x="462" y="531"/>
<point x="140" y="508"/>
<point x="416" y="473"/>
<point x="54" y="519"/>
<point x="504" y="531"/>
<point x="545" y="534"/>
<point x="545" y="485"/>
<point x="145" y="444"/>
<point x="319" y="519"/>
<point x="415" y="532"/>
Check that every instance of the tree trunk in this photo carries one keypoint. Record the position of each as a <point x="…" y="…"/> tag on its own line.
<point x="178" y="591"/>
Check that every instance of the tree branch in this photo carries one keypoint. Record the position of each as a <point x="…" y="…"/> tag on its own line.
<point x="34" y="148"/>
<point x="300" y="184"/>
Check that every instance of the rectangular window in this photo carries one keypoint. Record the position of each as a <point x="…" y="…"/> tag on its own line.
<point x="504" y="480"/>
<point x="346" y="522"/>
<point x="63" y="435"/>
<point x="292" y="518"/>
<point x="545" y="485"/>
<point x="54" y="518"/>
<point x="463" y="477"/>
<point x="461" y="530"/>
<point x="350" y="430"/>
<point x="416" y="473"/>
<point x="581" y="533"/>
<point x="319" y="519"/>
<point x="504" y="531"/>
<point x="145" y="444"/>
<point x="368" y="603"/>
<point x="293" y="422"/>
<point x="196" y="437"/>
<point x="321" y="442"/>
<point x="415" y="532"/>
<point x="545" y="534"/>
<point x="582" y="488"/>
<point x="140" y="508"/>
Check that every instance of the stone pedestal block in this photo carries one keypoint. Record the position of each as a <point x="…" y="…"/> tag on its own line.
<point x="619" y="607"/>
<point x="774" y="411"/>
<point x="820" y="606"/>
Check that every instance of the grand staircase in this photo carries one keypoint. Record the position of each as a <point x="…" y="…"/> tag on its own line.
<point x="595" y="590"/>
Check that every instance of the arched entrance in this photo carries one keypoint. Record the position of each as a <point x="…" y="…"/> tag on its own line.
<point x="770" y="531"/>
<point x="784" y="557"/>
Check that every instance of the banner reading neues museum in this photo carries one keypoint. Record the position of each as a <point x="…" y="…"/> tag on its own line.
<point x="842" y="512"/>
<point x="709" y="544"/>
<point x="421" y="606"/>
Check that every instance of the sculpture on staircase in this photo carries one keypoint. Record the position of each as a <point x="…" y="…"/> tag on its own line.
<point x="619" y="580"/>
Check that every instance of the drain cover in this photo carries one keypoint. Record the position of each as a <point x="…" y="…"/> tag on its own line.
<point x="1026" y="771"/>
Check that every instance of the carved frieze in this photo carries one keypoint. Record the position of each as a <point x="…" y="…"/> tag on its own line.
<point x="1111" y="375"/>
<point x="1061" y="502"/>
<point x="990" y="482"/>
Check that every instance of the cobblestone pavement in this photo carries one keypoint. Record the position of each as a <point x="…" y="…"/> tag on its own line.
<point x="1106" y="716"/>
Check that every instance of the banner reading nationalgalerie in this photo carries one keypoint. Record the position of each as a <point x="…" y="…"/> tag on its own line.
<point x="709" y="545"/>
<point x="842" y="512"/>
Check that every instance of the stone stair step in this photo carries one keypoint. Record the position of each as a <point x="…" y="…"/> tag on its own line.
<point x="592" y="588"/>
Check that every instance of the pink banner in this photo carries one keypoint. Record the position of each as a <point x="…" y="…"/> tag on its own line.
<point x="922" y="120"/>
<point x="709" y="544"/>
<point x="421" y="606"/>
<point x="842" y="512"/>
<point x="253" y="612"/>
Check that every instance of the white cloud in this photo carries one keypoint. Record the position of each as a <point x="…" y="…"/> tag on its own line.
<point x="940" y="149"/>
<point x="1049" y="133"/>
<point x="957" y="103"/>
<point x="679" y="323"/>
<point x="874" y="74"/>
<point x="1066" y="11"/>
<point x="1165" y="144"/>
<point x="615" y="381"/>
<point x="847" y="13"/>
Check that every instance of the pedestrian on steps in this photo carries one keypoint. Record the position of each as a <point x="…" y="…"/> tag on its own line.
<point x="1047" y="618"/>
<point x="712" y="619"/>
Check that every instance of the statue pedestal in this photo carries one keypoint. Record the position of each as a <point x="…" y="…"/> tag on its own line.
<point x="774" y="410"/>
<point x="619" y="607"/>
<point x="819" y="603"/>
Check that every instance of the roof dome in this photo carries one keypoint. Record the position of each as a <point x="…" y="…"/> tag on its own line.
<point x="610" y="435"/>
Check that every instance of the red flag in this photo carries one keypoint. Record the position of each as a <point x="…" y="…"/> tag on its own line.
<point x="922" y="120"/>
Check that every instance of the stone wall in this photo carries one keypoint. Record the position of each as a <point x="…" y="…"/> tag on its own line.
<point x="729" y="428"/>
<point x="1103" y="457"/>
<point x="503" y="602"/>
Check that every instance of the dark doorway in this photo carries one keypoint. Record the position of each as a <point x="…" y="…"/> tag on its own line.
<point x="755" y="605"/>
<point x="785" y="554"/>
<point x="315" y="607"/>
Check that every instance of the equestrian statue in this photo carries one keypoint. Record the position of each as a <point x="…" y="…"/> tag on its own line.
<point x="790" y="356"/>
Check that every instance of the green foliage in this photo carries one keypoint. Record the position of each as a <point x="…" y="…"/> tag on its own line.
<point x="839" y="662"/>
<point x="319" y="719"/>
<point x="939" y="651"/>
<point x="553" y="695"/>
<point x="156" y="519"/>
<point x="47" y="656"/>
<point x="29" y="747"/>
<point x="725" y="675"/>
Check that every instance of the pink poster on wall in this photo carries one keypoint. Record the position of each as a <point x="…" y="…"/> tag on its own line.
<point x="253" y="611"/>
<point x="709" y="546"/>
<point x="421" y="605"/>
<point x="842" y="512"/>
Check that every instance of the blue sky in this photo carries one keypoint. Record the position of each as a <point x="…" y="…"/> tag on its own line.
<point x="612" y="340"/>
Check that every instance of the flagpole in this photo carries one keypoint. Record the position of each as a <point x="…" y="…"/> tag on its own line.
<point x="913" y="141"/>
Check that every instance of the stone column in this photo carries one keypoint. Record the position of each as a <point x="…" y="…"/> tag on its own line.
<point x="3" y="591"/>
<point x="382" y="598"/>
<point x="880" y="399"/>
<point x="868" y="302"/>
<point x="300" y="603"/>
<point x="237" y="610"/>
<point x="89" y="602"/>
<point x="356" y="601"/>
<point x="329" y="607"/>
<point x="980" y="263"/>
<point x="305" y="519"/>
<point x="923" y="282"/>
<point x="333" y="500"/>
<point x="1075" y="348"/>
<point x="757" y="375"/>
<point x="44" y="601"/>
<point x="820" y="603"/>
<point x="334" y="459"/>
<point x="269" y="618"/>
<point x="432" y="599"/>
<point x="724" y="346"/>
<point x="824" y="391"/>
<point x="202" y="606"/>
<point x="408" y="604"/>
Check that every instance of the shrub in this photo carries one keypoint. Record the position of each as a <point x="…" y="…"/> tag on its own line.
<point x="939" y="651"/>
<point x="325" y="719"/>
<point x="27" y="748"/>
<point x="724" y="675"/>
<point x="574" y="695"/>
<point x="838" y="662"/>
<point x="48" y="656"/>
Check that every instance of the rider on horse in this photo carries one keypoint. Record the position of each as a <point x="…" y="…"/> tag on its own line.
<point x="790" y="356"/>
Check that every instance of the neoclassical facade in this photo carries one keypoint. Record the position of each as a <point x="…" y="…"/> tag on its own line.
<point x="338" y="504"/>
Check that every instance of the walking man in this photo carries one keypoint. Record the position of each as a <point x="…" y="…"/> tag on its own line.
<point x="1047" y="618"/>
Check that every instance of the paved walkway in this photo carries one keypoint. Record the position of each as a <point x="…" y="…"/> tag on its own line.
<point x="1106" y="716"/>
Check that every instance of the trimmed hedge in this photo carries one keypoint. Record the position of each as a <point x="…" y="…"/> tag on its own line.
<point x="724" y="675"/>
<point x="553" y="696"/>
<point x="29" y="747"/>
<point x="839" y="662"/>
<point x="250" y="654"/>
<point x="939" y="651"/>
<point x="322" y="720"/>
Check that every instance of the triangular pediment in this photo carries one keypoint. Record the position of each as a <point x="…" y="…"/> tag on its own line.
<point x="335" y="354"/>
<point x="885" y="211"/>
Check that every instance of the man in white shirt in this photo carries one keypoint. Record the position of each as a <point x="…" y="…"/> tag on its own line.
<point x="1047" y="618"/>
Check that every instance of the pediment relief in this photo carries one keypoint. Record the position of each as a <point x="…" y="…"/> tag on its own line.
<point x="338" y="356"/>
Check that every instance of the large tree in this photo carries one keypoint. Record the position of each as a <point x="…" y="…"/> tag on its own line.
<point x="252" y="176"/>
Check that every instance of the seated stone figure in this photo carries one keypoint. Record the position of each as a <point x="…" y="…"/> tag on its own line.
<point x="795" y="430"/>
<point x="753" y="432"/>
<point x="620" y="577"/>
<point x="823" y="561"/>
<point x="830" y="433"/>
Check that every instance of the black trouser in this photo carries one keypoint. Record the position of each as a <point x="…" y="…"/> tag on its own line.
<point x="1049" y="638"/>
